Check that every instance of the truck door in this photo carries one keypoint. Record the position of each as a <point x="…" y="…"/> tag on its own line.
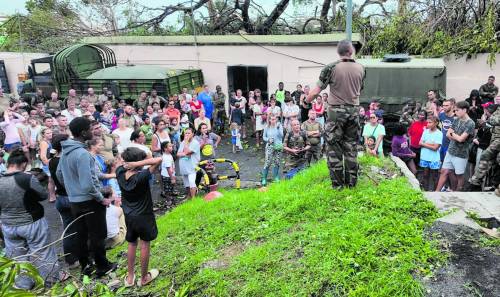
<point x="42" y="76"/>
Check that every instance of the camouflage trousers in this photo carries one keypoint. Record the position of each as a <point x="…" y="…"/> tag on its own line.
<point x="488" y="156"/>
<point x="273" y="157"/>
<point x="341" y="134"/>
<point x="313" y="155"/>
<point x="295" y="161"/>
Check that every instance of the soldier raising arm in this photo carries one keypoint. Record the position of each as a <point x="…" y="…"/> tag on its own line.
<point x="345" y="78"/>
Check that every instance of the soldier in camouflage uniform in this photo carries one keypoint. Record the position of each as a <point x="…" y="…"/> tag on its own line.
<point x="296" y="145"/>
<point x="313" y="131"/>
<point x="410" y="113"/>
<point x="490" y="154"/>
<point x="488" y="91"/>
<point x="345" y="78"/>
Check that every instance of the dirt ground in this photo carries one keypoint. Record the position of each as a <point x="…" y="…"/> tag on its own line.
<point x="472" y="268"/>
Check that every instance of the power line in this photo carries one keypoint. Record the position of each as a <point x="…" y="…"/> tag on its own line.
<point x="279" y="53"/>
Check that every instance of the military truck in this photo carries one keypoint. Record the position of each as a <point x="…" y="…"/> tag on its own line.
<point x="90" y="65"/>
<point x="397" y="79"/>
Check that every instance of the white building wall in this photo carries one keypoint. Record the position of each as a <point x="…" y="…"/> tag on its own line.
<point x="464" y="75"/>
<point x="283" y="62"/>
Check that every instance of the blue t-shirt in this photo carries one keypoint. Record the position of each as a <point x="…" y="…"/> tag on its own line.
<point x="208" y="105"/>
<point x="429" y="137"/>
<point x="446" y="122"/>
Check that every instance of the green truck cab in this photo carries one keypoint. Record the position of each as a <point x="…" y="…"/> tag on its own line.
<point x="84" y="66"/>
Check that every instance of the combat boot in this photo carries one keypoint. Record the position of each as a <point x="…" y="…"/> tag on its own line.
<point x="276" y="173"/>
<point x="263" y="180"/>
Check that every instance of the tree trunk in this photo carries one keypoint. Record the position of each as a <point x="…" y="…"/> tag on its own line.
<point x="324" y="15"/>
<point x="401" y="7"/>
<point x="246" y="18"/>
<point x="265" y="27"/>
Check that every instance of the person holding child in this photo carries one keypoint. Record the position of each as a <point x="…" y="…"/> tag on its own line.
<point x="377" y="130"/>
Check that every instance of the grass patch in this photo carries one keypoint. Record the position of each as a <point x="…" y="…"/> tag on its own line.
<point x="300" y="238"/>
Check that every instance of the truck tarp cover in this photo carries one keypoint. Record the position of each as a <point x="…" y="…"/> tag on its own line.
<point x="394" y="83"/>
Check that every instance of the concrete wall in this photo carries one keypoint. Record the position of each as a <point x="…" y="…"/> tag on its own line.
<point x="465" y="75"/>
<point x="214" y="60"/>
<point x="16" y="63"/>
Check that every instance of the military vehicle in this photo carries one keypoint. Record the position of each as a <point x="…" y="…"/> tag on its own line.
<point x="90" y="65"/>
<point x="397" y="79"/>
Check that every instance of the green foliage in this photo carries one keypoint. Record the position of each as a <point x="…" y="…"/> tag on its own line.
<point x="299" y="238"/>
<point x="409" y="34"/>
<point x="48" y="27"/>
<point x="9" y="270"/>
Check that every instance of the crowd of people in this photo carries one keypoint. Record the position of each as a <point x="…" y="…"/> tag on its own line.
<point x="100" y="155"/>
<point x="444" y="138"/>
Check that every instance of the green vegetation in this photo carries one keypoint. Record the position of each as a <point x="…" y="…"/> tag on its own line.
<point x="299" y="238"/>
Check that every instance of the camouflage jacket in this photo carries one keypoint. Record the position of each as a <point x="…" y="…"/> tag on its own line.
<point x="494" y="122"/>
<point x="409" y="116"/>
<point x="488" y="92"/>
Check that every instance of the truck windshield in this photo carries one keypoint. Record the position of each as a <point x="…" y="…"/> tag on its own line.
<point x="42" y="68"/>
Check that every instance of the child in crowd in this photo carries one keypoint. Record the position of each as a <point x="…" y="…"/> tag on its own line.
<point x="370" y="144"/>
<point x="138" y="209"/>
<point x="401" y="148"/>
<point x="430" y="159"/>
<point x="147" y="129"/>
<point x="34" y="130"/>
<point x="236" y="137"/>
<point x="115" y="219"/>
<point x="168" y="172"/>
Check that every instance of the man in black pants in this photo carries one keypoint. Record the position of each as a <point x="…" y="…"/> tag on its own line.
<point x="76" y="170"/>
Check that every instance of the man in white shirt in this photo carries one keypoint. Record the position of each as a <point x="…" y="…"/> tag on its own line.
<point x="71" y="112"/>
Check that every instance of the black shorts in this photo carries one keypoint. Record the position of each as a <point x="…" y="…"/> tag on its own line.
<point x="143" y="227"/>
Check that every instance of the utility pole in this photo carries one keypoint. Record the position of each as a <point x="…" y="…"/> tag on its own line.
<point x="348" y="20"/>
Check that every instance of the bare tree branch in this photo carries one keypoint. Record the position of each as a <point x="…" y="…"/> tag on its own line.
<point x="275" y="14"/>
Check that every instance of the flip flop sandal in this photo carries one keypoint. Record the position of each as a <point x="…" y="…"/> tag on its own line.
<point x="153" y="273"/>
<point x="127" y="284"/>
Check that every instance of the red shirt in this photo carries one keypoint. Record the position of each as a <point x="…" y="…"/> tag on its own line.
<point x="172" y="113"/>
<point x="415" y="132"/>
